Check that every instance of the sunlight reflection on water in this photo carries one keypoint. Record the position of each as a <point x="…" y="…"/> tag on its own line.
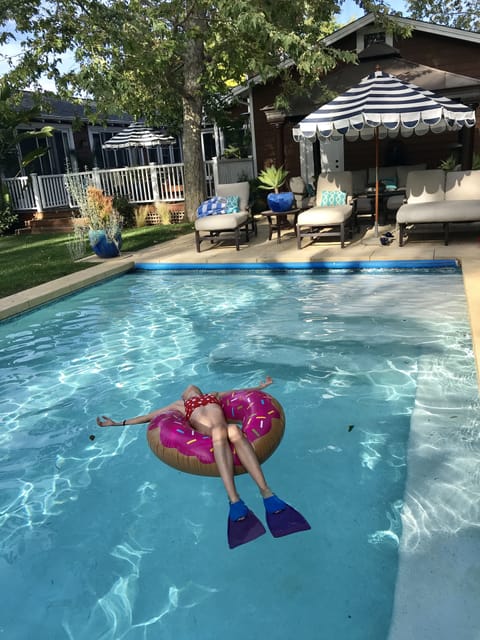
<point x="115" y="545"/>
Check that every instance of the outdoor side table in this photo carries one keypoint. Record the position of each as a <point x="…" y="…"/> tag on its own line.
<point x="281" y="221"/>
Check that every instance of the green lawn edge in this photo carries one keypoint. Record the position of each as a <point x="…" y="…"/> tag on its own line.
<point x="28" y="260"/>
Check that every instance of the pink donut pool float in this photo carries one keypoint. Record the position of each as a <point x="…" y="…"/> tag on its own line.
<point x="172" y="439"/>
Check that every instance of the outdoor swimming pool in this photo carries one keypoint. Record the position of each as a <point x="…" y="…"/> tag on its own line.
<point x="375" y="372"/>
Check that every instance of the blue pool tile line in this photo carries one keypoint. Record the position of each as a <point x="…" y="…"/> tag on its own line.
<point x="347" y="265"/>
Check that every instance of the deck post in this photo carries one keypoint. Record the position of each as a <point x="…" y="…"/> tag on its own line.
<point x="37" y="193"/>
<point x="96" y="178"/>
<point x="154" y="181"/>
<point x="216" y="179"/>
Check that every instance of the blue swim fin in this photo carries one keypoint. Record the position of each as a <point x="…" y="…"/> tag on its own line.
<point x="282" y="519"/>
<point x="245" y="530"/>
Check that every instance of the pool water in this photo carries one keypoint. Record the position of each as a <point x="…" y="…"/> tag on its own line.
<point x="101" y="540"/>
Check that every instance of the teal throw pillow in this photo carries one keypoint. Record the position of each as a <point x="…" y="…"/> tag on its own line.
<point x="389" y="184"/>
<point x="333" y="198"/>
<point x="233" y="204"/>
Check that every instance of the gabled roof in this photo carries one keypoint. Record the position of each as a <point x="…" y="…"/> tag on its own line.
<point x="364" y="21"/>
<point x="417" y="25"/>
<point x="63" y="111"/>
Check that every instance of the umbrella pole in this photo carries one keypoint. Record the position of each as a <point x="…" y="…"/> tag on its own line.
<point x="376" y="182"/>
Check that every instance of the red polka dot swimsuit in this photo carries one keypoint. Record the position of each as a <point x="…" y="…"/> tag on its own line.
<point x="199" y="401"/>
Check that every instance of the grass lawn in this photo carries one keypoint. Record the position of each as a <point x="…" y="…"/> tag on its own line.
<point x="30" y="260"/>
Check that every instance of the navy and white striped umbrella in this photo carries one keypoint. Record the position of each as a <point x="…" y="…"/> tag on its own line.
<point x="137" y="134"/>
<point x="382" y="105"/>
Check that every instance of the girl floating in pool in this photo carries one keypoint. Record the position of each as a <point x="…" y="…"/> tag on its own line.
<point x="205" y="414"/>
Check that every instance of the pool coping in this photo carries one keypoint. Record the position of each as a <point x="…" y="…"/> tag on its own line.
<point x="29" y="299"/>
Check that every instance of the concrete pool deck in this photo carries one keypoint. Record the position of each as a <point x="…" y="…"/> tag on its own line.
<point x="438" y="583"/>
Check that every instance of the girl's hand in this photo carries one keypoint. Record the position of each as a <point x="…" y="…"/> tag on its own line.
<point x="268" y="382"/>
<point x="105" y="422"/>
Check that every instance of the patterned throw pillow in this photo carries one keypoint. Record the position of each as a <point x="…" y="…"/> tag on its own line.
<point x="233" y="204"/>
<point x="212" y="207"/>
<point x="333" y="198"/>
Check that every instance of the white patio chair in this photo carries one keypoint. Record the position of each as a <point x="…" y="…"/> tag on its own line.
<point x="333" y="211"/>
<point x="212" y="226"/>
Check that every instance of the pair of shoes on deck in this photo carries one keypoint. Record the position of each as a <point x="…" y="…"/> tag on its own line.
<point x="244" y="526"/>
<point x="386" y="239"/>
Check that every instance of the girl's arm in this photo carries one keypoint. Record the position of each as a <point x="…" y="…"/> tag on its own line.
<point x="268" y="381"/>
<point x="108" y="422"/>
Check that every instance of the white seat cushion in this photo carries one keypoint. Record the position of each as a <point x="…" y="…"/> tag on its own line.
<point x="221" y="222"/>
<point x="324" y="216"/>
<point x="447" y="211"/>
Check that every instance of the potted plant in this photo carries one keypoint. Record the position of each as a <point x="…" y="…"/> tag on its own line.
<point x="101" y="220"/>
<point x="272" y="178"/>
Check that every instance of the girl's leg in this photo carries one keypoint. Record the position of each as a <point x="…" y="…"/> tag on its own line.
<point x="248" y="458"/>
<point x="224" y="459"/>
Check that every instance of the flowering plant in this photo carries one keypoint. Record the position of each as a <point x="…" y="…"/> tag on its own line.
<point x="94" y="207"/>
<point x="100" y="212"/>
<point x="97" y="212"/>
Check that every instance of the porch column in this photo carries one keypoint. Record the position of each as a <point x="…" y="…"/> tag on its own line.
<point x="37" y="192"/>
<point x="154" y="181"/>
<point x="216" y="177"/>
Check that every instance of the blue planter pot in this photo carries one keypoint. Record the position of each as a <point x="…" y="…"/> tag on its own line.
<point x="280" y="201"/>
<point x="102" y="246"/>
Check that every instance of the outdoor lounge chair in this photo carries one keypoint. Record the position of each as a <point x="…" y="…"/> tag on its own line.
<point x="333" y="211"/>
<point x="212" y="226"/>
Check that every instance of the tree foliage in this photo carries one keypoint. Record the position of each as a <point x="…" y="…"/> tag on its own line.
<point x="12" y="115"/>
<point x="172" y="61"/>
<point x="461" y="14"/>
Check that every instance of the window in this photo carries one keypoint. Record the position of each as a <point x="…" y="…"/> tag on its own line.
<point x="367" y="37"/>
<point x="58" y="152"/>
<point x="208" y="145"/>
<point x="371" y="38"/>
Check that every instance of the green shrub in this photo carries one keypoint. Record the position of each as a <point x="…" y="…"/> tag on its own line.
<point x="126" y="210"/>
<point x="8" y="217"/>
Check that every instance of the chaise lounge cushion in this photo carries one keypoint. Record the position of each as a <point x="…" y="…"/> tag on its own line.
<point x="433" y="196"/>
<point x="221" y="222"/>
<point x="430" y="212"/>
<point x="325" y="216"/>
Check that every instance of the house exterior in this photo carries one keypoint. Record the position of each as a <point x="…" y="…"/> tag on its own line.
<point x="441" y="59"/>
<point x="77" y="142"/>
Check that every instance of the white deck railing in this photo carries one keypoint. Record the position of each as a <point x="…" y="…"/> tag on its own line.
<point x="140" y="185"/>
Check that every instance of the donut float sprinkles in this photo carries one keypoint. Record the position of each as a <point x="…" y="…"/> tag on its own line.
<point x="172" y="439"/>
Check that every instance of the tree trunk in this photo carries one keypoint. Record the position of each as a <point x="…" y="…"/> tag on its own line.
<point x="192" y="114"/>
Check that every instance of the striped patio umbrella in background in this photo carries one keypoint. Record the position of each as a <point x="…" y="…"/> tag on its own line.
<point x="381" y="105"/>
<point x="137" y="134"/>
